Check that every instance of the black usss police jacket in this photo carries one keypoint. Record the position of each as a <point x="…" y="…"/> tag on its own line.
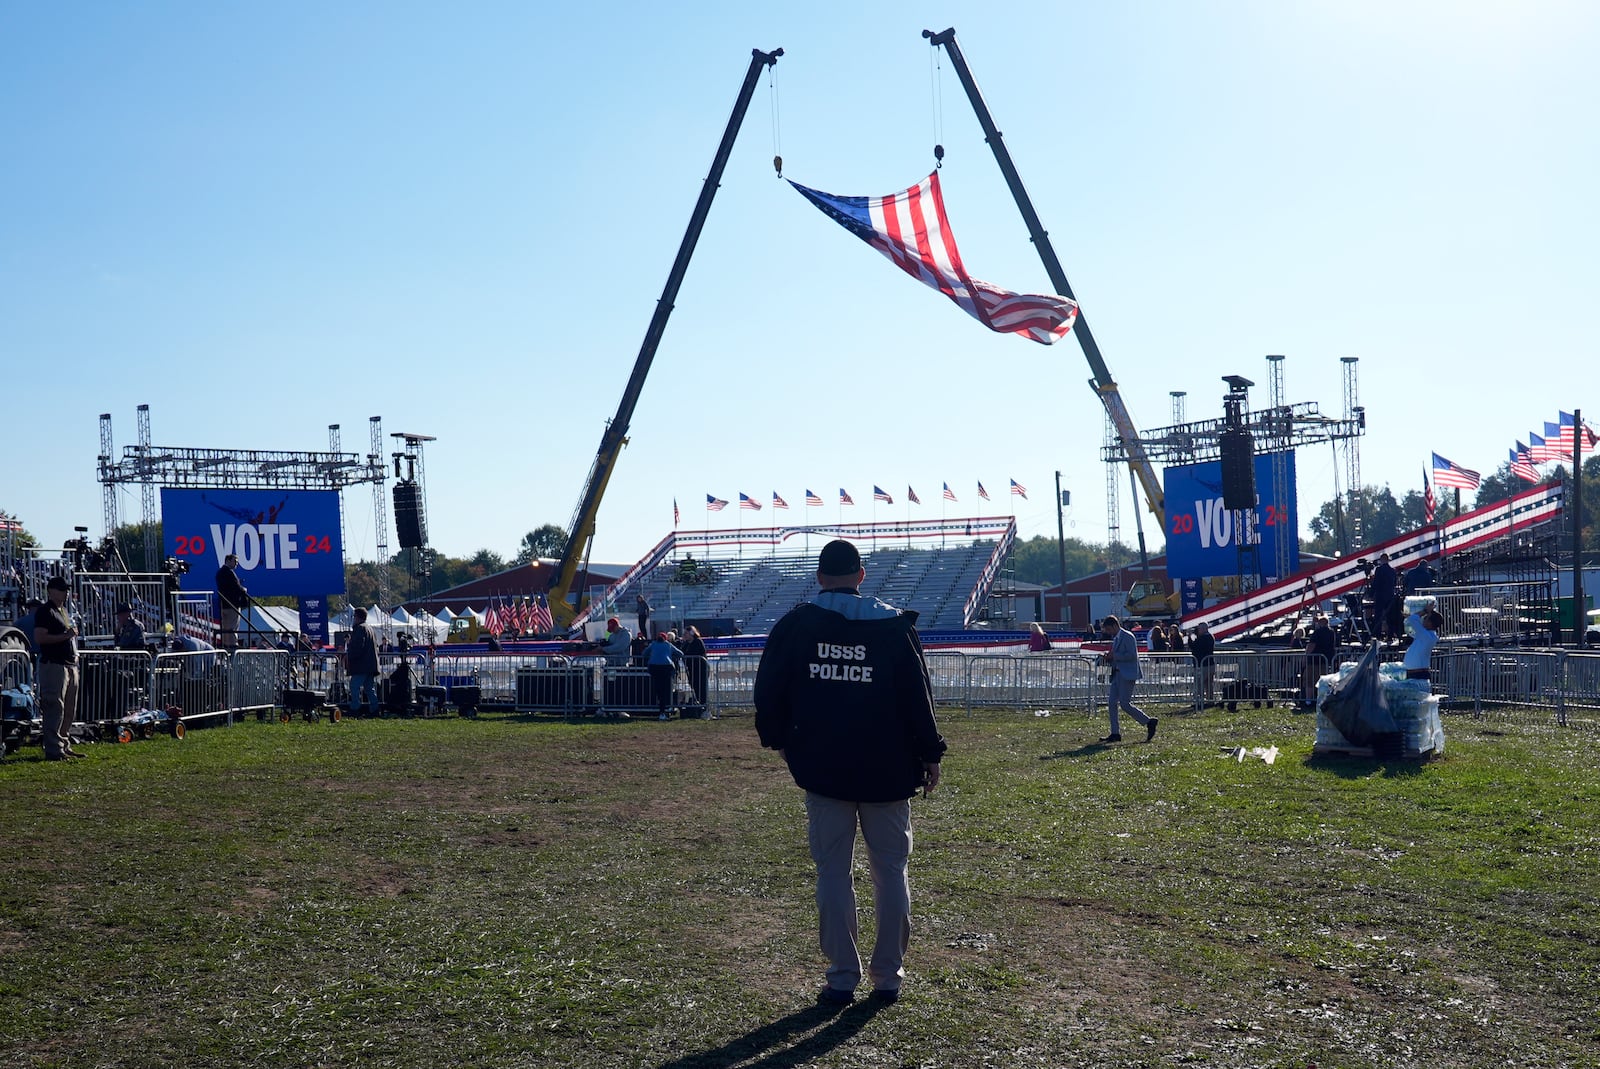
<point x="849" y="703"/>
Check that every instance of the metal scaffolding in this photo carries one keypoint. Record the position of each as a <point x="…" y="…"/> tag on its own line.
<point x="148" y="509"/>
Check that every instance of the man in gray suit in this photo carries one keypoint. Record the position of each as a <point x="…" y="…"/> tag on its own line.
<point x="1123" y="657"/>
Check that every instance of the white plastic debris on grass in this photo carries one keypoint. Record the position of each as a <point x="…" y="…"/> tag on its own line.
<point x="1269" y="754"/>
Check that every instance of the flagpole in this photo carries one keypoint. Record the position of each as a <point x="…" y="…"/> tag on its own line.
<point x="1579" y="603"/>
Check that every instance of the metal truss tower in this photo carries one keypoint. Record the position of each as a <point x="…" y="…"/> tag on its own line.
<point x="108" y="487"/>
<point x="1280" y="446"/>
<point x="1353" y="412"/>
<point x="147" y="496"/>
<point x="1113" y="509"/>
<point x="380" y="509"/>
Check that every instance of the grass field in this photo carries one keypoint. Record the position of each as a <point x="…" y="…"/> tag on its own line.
<point x="507" y="892"/>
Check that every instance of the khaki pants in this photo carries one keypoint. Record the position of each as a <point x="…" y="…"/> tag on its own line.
<point x="886" y="828"/>
<point x="58" y="704"/>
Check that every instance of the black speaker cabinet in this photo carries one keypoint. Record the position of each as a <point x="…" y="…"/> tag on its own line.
<point x="409" y="522"/>
<point x="1238" y="470"/>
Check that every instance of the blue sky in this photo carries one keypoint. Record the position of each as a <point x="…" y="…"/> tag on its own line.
<point x="264" y="219"/>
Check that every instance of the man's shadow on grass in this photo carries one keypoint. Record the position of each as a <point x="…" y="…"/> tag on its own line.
<point x="842" y="1025"/>
<point x="1086" y="750"/>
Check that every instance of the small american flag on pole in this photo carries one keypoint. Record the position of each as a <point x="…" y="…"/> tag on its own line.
<point x="813" y="499"/>
<point x="911" y="496"/>
<point x="911" y="229"/>
<point x="949" y="494"/>
<point x="878" y="494"/>
<point x="715" y="504"/>
<point x="1448" y="473"/>
<point x="1521" y="466"/>
<point x="778" y="502"/>
<point x="542" y="623"/>
<point x="982" y="492"/>
<point x="675" y="516"/>
<point x="748" y="502"/>
<point x="1538" y="451"/>
<point x="1429" y="506"/>
<point x="1018" y="489"/>
<point x="844" y="498"/>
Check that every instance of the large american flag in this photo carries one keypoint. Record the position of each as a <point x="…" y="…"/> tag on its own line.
<point x="778" y="502"/>
<point x="715" y="504"/>
<point x="911" y="229"/>
<point x="911" y="495"/>
<point x="1429" y="506"/>
<point x="949" y="494"/>
<point x="1447" y="473"/>
<point x="844" y="498"/>
<point x="982" y="492"/>
<point x="1018" y="489"/>
<point x="812" y="499"/>
<point x="878" y="494"/>
<point x="1521" y="466"/>
<point x="748" y="502"/>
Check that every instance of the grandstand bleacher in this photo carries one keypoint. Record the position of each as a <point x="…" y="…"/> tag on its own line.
<point x="940" y="569"/>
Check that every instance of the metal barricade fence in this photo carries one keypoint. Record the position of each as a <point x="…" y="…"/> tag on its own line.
<point x="315" y="670"/>
<point x="196" y="683"/>
<point x="732" y="680"/>
<point x="112" y="684"/>
<point x="16" y="669"/>
<point x="947" y="671"/>
<point x="255" y="680"/>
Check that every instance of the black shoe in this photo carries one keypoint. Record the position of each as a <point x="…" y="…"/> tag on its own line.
<point x="1112" y="738"/>
<point x="832" y="996"/>
<point x="886" y="996"/>
<point x="1150" y="728"/>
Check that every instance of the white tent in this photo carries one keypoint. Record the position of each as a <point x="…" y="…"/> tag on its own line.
<point x="445" y="615"/>
<point x="400" y="617"/>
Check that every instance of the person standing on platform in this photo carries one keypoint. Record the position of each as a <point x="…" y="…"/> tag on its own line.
<point x="56" y="639"/>
<point x="1123" y="659"/>
<point x="232" y="599"/>
<point x="130" y="636"/>
<point x="361" y="665"/>
<point x="1384" y="580"/>
<point x="843" y="694"/>
<point x="641" y="609"/>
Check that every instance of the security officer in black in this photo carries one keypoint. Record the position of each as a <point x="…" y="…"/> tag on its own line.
<point x="843" y="694"/>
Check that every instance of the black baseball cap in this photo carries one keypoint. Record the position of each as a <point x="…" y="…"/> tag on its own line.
<point x="839" y="558"/>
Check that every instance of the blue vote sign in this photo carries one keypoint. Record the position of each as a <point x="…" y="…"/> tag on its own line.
<point x="287" y="541"/>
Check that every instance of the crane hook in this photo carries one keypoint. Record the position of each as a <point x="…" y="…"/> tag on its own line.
<point x="938" y="157"/>
<point x="777" y="165"/>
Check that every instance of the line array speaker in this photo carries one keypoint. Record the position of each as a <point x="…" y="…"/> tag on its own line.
<point x="1238" y="470"/>
<point x="409" y="522"/>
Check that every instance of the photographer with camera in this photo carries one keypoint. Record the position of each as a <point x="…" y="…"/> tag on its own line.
<point x="232" y="598"/>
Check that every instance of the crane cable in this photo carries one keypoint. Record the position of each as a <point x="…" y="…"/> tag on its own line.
<point x="776" y="118"/>
<point x="936" y="90"/>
